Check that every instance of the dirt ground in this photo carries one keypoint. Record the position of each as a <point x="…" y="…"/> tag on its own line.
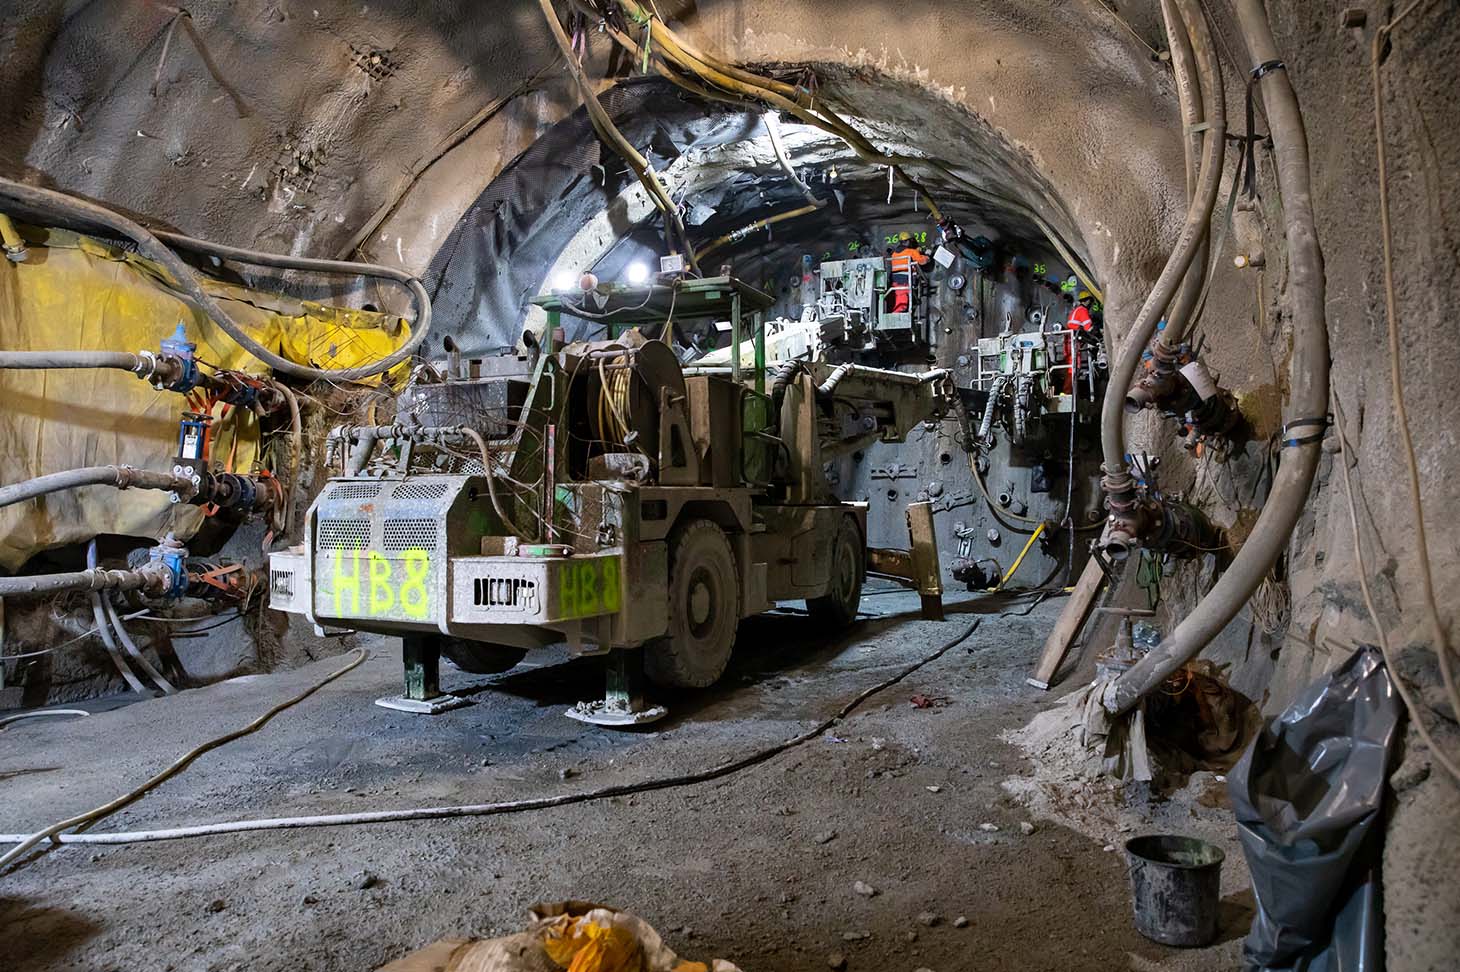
<point x="757" y="868"/>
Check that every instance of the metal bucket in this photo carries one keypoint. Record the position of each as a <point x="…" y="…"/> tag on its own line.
<point x="1175" y="888"/>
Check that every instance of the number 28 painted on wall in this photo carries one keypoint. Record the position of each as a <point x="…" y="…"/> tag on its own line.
<point x="385" y="588"/>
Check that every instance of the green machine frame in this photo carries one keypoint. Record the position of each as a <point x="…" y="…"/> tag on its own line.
<point x="717" y="298"/>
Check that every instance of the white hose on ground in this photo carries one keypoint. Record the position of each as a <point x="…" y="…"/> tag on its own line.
<point x="1307" y="405"/>
<point x="39" y="713"/>
<point x="82" y="820"/>
<point x="490" y="809"/>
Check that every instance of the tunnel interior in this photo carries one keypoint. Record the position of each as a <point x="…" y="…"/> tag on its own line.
<point x="1085" y="458"/>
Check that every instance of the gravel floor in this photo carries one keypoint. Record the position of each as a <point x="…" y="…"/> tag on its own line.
<point x="758" y="868"/>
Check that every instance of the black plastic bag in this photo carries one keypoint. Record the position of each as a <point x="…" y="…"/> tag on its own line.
<point x="1308" y="795"/>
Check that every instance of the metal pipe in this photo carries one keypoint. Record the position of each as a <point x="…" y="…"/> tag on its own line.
<point x="82" y="580"/>
<point x="1308" y="400"/>
<point x="186" y="281"/>
<point x="122" y="477"/>
<point x="1118" y="483"/>
<point x="45" y="360"/>
<point x="736" y="235"/>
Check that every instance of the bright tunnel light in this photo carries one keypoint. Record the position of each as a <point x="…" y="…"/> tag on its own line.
<point x="565" y="280"/>
<point x="636" y="272"/>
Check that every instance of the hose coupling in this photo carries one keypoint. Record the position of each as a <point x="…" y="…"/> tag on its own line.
<point x="1161" y="384"/>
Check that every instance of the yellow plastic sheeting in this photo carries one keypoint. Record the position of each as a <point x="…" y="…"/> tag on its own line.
<point x="75" y="293"/>
<point x="575" y="936"/>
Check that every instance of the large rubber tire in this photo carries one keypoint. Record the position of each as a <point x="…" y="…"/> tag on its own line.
<point x="481" y="657"/>
<point x="837" y="608"/>
<point x="704" y="609"/>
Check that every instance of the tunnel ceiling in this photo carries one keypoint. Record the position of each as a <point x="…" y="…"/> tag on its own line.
<point x="333" y="129"/>
<point x="720" y="164"/>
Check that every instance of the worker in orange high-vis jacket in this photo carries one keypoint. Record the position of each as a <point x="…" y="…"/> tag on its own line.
<point x="1083" y="322"/>
<point x="902" y="262"/>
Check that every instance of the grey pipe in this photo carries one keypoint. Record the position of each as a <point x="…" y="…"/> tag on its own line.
<point x="151" y="246"/>
<point x="40" y="360"/>
<point x="81" y="580"/>
<point x="1308" y="380"/>
<point x="1127" y="359"/>
<point x="122" y="477"/>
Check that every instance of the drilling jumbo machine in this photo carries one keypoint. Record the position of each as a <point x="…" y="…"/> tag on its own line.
<point x="604" y="494"/>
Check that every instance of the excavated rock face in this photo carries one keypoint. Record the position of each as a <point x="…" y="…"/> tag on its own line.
<point x="438" y="135"/>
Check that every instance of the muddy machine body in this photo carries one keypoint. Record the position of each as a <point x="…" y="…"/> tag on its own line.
<point x="600" y="493"/>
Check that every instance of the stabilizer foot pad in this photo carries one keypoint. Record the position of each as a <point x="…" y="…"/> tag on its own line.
<point x="599" y="714"/>
<point x="440" y="703"/>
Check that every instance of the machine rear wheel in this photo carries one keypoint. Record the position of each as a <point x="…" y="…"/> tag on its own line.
<point x="704" y="609"/>
<point x="838" y="606"/>
<point x="481" y="657"/>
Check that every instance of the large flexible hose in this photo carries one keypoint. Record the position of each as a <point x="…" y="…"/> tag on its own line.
<point x="1194" y="112"/>
<point x="1198" y="216"/>
<point x="122" y="477"/>
<point x="1307" y="402"/>
<point x="151" y="245"/>
<point x="724" y="77"/>
<point x="773" y="128"/>
<point x="103" y="628"/>
<point x="609" y="132"/>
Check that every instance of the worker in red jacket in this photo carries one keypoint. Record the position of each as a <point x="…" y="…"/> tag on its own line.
<point x="902" y="263"/>
<point x="1083" y="322"/>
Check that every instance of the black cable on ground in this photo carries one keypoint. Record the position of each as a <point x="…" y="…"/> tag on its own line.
<point x="491" y="809"/>
<point x="89" y="817"/>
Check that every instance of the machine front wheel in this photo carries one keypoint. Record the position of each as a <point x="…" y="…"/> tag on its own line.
<point x="481" y="657"/>
<point x="838" y="606"/>
<point x="704" y="609"/>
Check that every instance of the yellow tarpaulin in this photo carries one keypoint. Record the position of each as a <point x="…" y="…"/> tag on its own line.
<point x="75" y="293"/>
